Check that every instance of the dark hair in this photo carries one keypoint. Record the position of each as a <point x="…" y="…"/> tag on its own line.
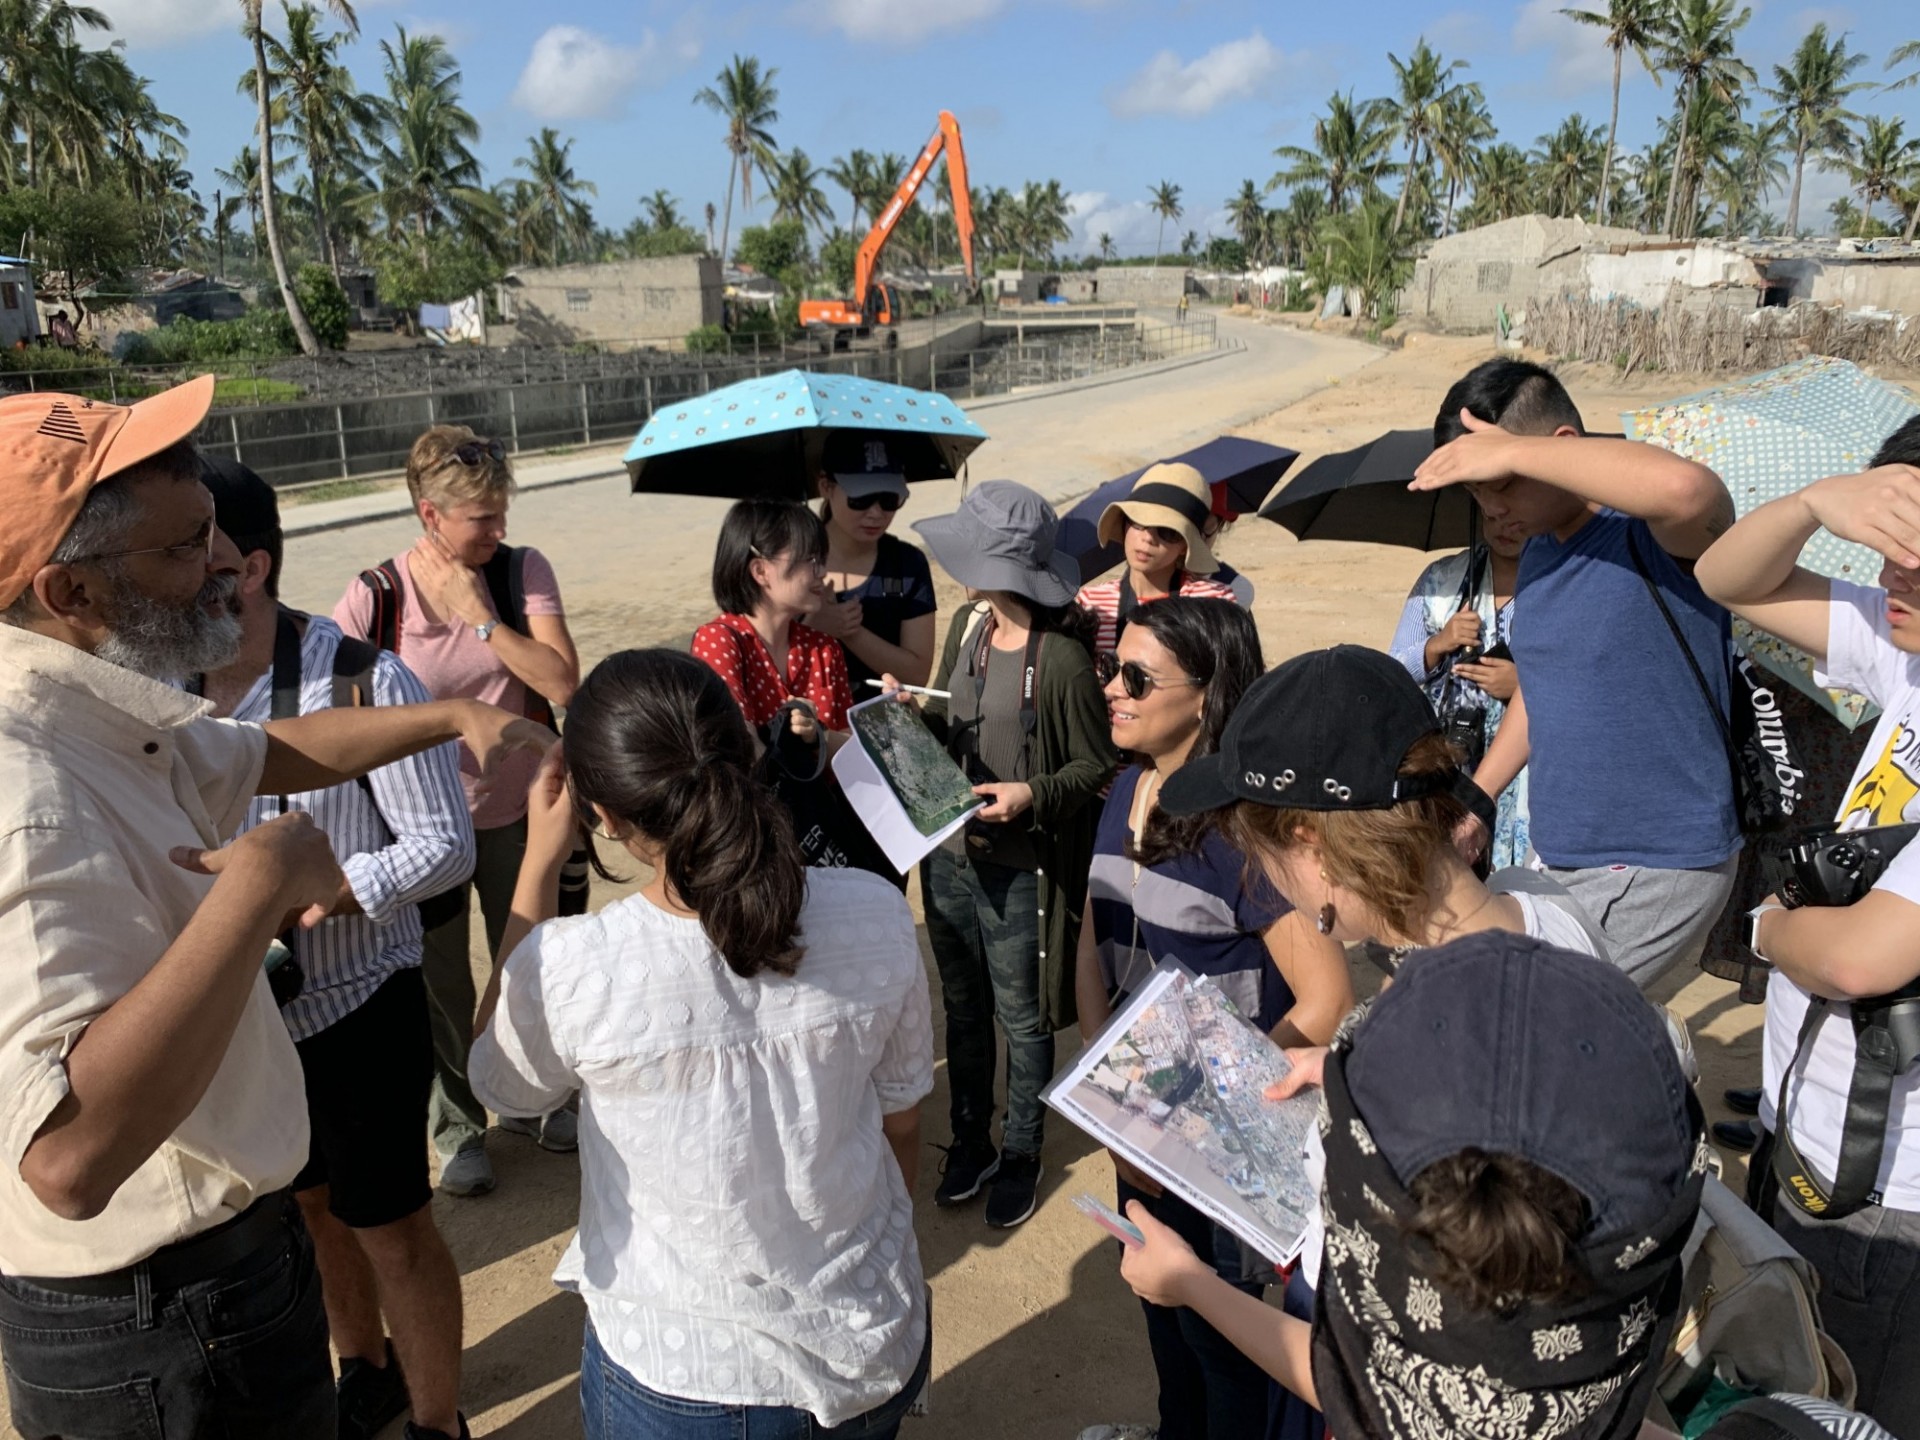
<point x="654" y="737"/>
<point x="760" y="530"/>
<point x="1217" y="644"/>
<point x="1902" y="447"/>
<point x="274" y="543"/>
<point x="1072" y="619"/>
<point x="1525" y="398"/>
<point x="1502" y="1230"/>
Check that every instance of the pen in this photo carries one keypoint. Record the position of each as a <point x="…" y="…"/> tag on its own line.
<point x="915" y="690"/>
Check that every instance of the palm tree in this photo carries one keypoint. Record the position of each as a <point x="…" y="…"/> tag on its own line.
<point x="243" y="175"/>
<point x="1568" y="166"/>
<point x="1699" y="49"/>
<point x="1900" y="56"/>
<point x="1105" y="243"/>
<point x="1751" y="168"/>
<point x="663" y="212"/>
<point x="794" y="184"/>
<point x="1247" y="211"/>
<point x="1349" y="154"/>
<point x="554" y="187"/>
<point x="1808" y="93"/>
<point x="1165" y="204"/>
<point x="1503" y="184"/>
<point x="1299" y="222"/>
<point x="1424" y="83"/>
<point x="745" y="98"/>
<point x="854" y="173"/>
<point x="1636" y="25"/>
<point x="1464" y="124"/>
<point x="256" y="31"/>
<point x="31" y="31"/>
<point x="1881" y="163"/>
<point x="428" y="173"/>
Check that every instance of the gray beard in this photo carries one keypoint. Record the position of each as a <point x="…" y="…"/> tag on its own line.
<point x="165" y="643"/>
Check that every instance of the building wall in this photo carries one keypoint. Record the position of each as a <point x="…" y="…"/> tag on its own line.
<point x="1644" y="276"/>
<point x="18" y="320"/>
<point x="1463" y="280"/>
<point x="1853" y="284"/>
<point x="1141" y="284"/>
<point x="661" y="299"/>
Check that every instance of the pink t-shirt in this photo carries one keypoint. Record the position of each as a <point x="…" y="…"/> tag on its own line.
<point x="456" y="664"/>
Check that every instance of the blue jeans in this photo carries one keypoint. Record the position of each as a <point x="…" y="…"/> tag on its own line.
<point x="984" y="922"/>
<point x="242" y="1351"/>
<point x="615" y="1406"/>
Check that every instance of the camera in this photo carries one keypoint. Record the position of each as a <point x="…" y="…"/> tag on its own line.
<point x="1467" y="655"/>
<point x="1825" y="866"/>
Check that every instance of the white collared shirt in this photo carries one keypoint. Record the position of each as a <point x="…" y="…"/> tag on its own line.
<point x="107" y="771"/>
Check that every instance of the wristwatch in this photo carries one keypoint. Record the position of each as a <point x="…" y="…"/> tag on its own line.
<point x="485" y="629"/>
<point x="1752" y="935"/>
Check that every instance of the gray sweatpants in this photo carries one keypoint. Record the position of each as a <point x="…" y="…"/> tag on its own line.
<point x="1653" y="919"/>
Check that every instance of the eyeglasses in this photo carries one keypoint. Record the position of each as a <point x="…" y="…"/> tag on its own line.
<point x="887" y="500"/>
<point x="475" y="452"/>
<point x="198" y="548"/>
<point x="1135" y="681"/>
<point x="1159" y="532"/>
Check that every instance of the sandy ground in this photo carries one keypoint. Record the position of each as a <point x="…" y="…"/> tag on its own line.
<point x="1034" y="1333"/>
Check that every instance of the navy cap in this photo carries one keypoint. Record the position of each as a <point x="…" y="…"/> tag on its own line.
<point x="243" y="503"/>
<point x="864" y="462"/>
<point x="1503" y="1043"/>
<point x="1327" y="730"/>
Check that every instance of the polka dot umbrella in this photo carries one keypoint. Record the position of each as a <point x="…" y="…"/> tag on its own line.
<point x="763" y="436"/>
<point x="1769" y="435"/>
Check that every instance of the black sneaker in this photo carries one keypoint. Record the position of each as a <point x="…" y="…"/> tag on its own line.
<point x="1744" y="1102"/>
<point x="968" y="1166"/>
<point x="1015" y="1191"/>
<point x="418" y="1432"/>
<point x="370" y="1397"/>
<point x="1739" y="1136"/>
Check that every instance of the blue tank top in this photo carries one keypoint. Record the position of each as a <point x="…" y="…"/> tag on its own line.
<point x="1628" y="765"/>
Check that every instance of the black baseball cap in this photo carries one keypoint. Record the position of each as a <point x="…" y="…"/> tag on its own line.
<point x="1503" y="1043"/>
<point x="865" y="462"/>
<point x="1327" y="730"/>
<point x="243" y="503"/>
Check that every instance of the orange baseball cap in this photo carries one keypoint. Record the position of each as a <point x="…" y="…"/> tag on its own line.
<point x="55" y="448"/>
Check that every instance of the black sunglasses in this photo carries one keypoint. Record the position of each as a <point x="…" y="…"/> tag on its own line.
<point x="887" y="500"/>
<point x="1136" y="682"/>
<point x="1159" y="532"/>
<point x="473" y="452"/>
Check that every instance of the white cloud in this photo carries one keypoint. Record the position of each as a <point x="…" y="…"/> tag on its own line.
<point x="1131" y="224"/>
<point x="1167" y="85"/>
<point x="574" y="74"/>
<point x="894" y="22"/>
<point x="169" y="22"/>
<point x="1577" y="54"/>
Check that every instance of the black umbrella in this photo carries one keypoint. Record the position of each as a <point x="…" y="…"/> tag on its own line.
<point x="1240" y="472"/>
<point x="1362" y="494"/>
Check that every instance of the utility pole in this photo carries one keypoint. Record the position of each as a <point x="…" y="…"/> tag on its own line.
<point x="219" y="238"/>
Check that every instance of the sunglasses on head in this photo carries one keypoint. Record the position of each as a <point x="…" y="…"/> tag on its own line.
<point x="1135" y="681"/>
<point x="887" y="500"/>
<point x="475" y="452"/>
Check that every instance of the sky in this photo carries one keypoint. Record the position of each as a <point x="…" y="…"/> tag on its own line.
<point x="1107" y="96"/>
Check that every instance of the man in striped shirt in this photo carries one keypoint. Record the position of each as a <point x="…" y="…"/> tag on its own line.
<point x="359" y="1021"/>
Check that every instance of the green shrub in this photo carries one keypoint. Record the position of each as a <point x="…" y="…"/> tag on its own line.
<point x="262" y="333"/>
<point x="325" y="304"/>
<point x="708" y="340"/>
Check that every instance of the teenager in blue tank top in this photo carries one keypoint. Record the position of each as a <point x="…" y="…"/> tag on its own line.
<point x="1167" y="888"/>
<point x="1632" y="800"/>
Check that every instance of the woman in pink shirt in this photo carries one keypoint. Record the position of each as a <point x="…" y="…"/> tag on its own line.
<point x="441" y="618"/>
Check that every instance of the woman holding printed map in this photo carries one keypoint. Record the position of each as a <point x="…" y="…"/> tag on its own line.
<point x="1167" y="888"/>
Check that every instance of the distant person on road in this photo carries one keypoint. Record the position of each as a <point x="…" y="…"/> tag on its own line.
<point x="884" y="620"/>
<point x="1161" y="528"/>
<point x="476" y="618"/>
<point x="751" y="1040"/>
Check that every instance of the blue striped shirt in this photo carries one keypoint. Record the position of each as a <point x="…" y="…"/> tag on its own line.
<point x="416" y="843"/>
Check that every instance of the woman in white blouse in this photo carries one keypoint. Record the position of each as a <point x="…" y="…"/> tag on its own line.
<point x="751" y="1042"/>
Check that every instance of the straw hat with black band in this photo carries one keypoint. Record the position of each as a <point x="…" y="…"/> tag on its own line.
<point x="1168" y="497"/>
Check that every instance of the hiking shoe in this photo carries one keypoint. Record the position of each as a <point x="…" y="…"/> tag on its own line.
<point x="1744" y="1102"/>
<point x="1016" y="1190"/>
<point x="468" y="1172"/>
<point x="369" y="1396"/>
<point x="420" y="1432"/>
<point x="560" y="1132"/>
<point x="968" y="1166"/>
<point x="1122" y="1431"/>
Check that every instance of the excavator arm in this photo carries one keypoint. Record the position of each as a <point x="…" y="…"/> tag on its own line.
<point x="946" y="137"/>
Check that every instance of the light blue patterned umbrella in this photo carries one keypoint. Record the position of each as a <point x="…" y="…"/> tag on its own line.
<point x="1768" y="436"/>
<point x="762" y="436"/>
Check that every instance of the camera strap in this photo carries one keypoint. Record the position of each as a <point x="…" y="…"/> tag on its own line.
<point x="1863" y="1135"/>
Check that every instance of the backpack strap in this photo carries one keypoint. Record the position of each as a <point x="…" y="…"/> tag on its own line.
<point x="353" y="666"/>
<point x="503" y="568"/>
<point x="285" y="704"/>
<point x="384" y="581"/>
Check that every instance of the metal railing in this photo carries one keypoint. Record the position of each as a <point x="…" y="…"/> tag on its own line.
<point x="314" y="441"/>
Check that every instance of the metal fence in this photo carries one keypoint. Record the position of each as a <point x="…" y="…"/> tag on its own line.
<point x="308" y="442"/>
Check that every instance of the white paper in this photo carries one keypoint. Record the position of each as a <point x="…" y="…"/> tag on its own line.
<point x="879" y="809"/>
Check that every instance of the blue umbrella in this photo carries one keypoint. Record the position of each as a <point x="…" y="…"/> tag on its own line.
<point x="762" y="436"/>
<point x="1240" y="471"/>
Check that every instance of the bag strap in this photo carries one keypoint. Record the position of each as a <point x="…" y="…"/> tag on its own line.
<point x="353" y="666"/>
<point x="1693" y="663"/>
<point x="1863" y="1133"/>
<point x="384" y="581"/>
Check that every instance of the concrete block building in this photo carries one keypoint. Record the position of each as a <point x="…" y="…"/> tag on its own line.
<point x="639" y="301"/>
<point x="1464" y="279"/>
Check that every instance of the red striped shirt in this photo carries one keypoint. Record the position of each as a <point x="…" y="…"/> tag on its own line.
<point x="1103" y="599"/>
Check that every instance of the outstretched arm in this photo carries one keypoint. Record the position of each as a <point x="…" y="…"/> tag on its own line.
<point x="331" y="747"/>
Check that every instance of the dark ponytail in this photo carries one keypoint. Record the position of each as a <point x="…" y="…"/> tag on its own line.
<point x="655" y="738"/>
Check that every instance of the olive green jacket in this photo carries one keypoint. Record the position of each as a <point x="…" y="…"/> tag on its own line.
<point x="1073" y="759"/>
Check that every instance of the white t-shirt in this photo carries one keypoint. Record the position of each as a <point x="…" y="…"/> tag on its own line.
<point x="745" y="1236"/>
<point x="1885" y="791"/>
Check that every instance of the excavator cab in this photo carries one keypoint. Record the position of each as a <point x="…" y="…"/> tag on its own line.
<point x="882" y="307"/>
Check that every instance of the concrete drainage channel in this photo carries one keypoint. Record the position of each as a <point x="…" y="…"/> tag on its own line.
<point x="367" y="437"/>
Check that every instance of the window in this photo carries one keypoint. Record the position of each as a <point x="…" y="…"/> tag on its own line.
<point x="579" y="299"/>
<point x="1494" y="275"/>
<point x="9" y="295"/>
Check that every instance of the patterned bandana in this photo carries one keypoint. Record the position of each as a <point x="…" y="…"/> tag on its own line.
<point x="1397" y="1358"/>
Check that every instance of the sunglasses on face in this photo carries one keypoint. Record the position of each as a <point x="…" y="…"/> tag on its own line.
<point x="1159" y="532"/>
<point x="885" y="499"/>
<point x="1135" y="681"/>
<point x="477" y="452"/>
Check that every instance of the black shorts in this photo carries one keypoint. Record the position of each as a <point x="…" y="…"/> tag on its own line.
<point x="368" y="1077"/>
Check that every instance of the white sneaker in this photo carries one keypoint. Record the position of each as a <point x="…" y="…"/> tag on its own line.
<point x="1120" y="1432"/>
<point x="560" y="1132"/>
<point x="527" y="1125"/>
<point x="467" y="1173"/>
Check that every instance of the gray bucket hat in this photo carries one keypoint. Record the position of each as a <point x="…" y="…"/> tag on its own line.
<point x="1001" y="538"/>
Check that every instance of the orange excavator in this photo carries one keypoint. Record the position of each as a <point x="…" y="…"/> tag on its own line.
<point x="876" y="305"/>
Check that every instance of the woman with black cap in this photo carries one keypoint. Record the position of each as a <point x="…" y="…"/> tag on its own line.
<point x="1026" y="721"/>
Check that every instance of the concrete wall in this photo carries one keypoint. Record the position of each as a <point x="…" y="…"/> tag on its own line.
<point x="1643" y="276"/>
<point x="1855" y="284"/>
<point x="1141" y="284"/>
<point x="660" y="299"/>
<point x="1463" y="280"/>
<point x="18" y="320"/>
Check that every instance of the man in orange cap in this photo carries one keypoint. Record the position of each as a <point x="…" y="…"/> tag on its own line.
<point x="154" y="1272"/>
